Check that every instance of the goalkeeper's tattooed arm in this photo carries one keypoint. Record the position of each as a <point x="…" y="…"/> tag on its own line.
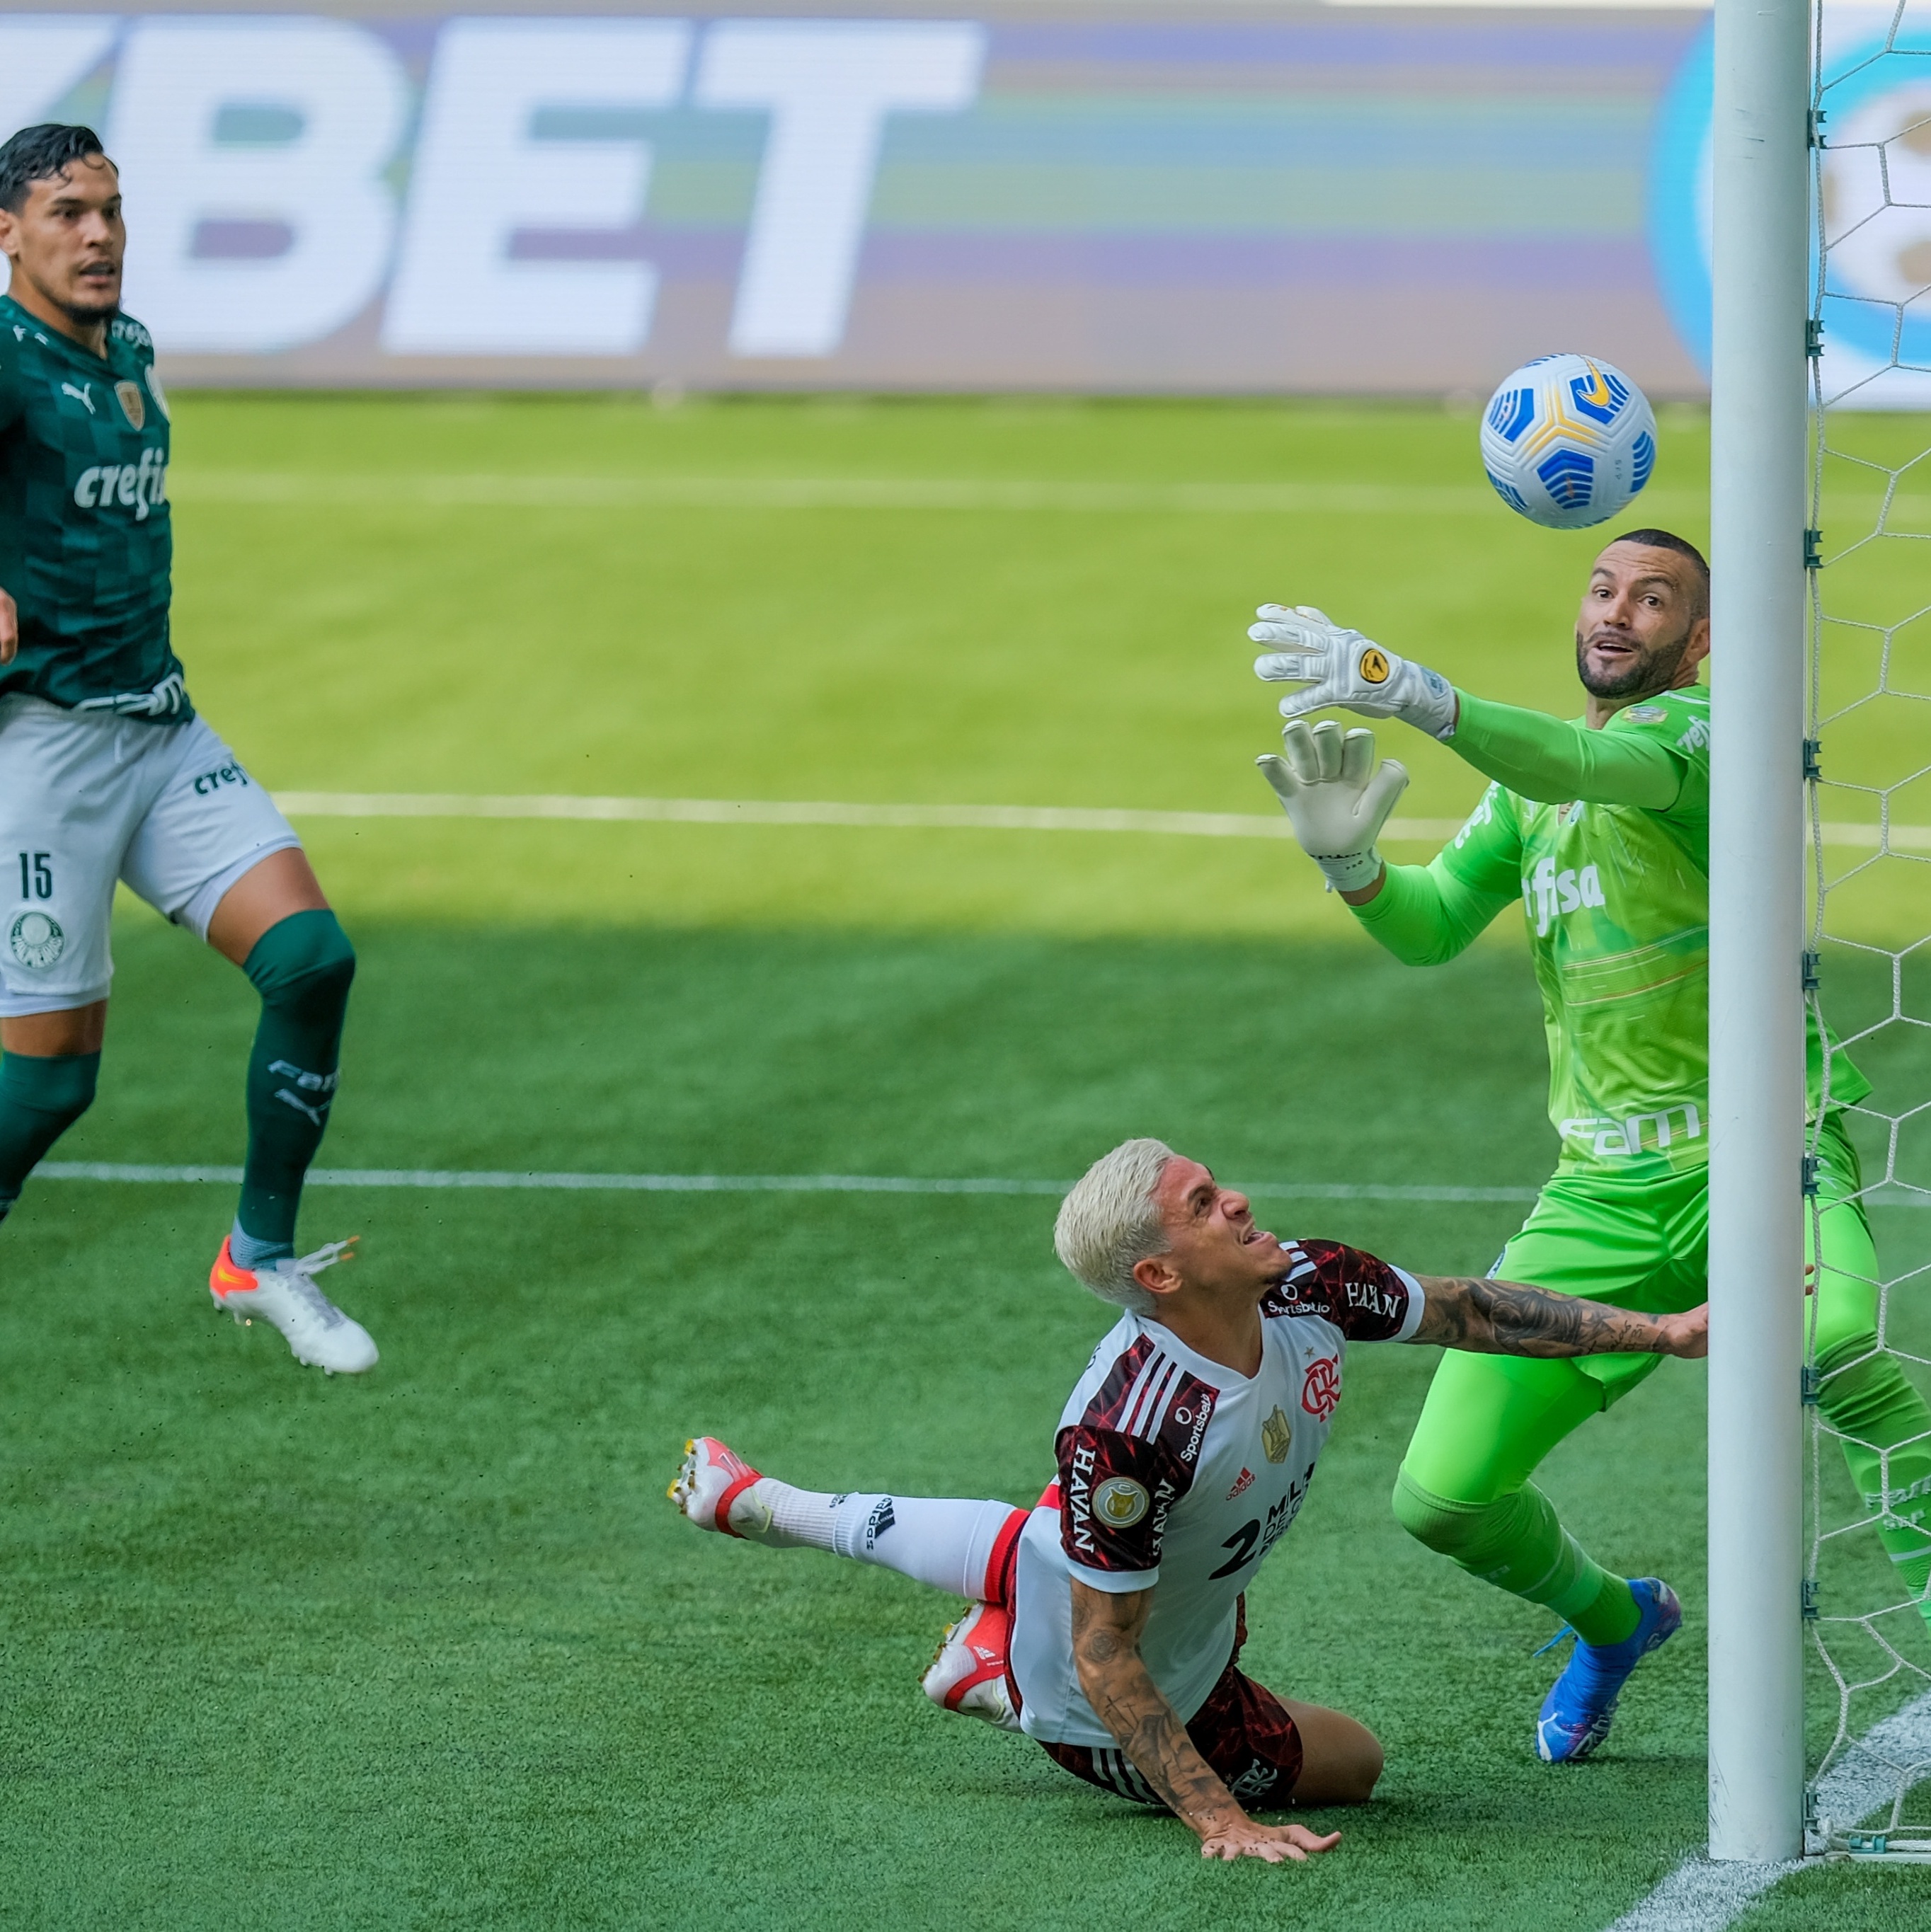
<point x="1106" y="1631"/>
<point x="1506" y="1318"/>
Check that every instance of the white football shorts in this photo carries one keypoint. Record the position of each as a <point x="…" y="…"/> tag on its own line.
<point x="87" y="799"/>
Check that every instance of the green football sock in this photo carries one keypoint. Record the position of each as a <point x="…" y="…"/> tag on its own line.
<point x="1518" y="1543"/>
<point x="39" y="1099"/>
<point x="301" y="967"/>
<point x="1864" y="1393"/>
<point x="1872" y="1402"/>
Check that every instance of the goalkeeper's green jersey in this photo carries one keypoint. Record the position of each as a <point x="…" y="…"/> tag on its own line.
<point x="85" y="541"/>
<point x="1603" y="838"/>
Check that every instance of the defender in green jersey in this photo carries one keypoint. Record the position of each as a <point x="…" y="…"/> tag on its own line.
<point x="1598" y="828"/>
<point x="109" y="775"/>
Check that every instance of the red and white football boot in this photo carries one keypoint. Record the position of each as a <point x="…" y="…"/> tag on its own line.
<point x="709" y="1481"/>
<point x="284" y="1295"/>
<point x="968" y="1672"/>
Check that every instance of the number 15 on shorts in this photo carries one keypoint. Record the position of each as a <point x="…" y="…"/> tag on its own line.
<point x="36" y="875"/>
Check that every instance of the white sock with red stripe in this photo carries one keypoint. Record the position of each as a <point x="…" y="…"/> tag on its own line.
<point x="946" y="1542"/>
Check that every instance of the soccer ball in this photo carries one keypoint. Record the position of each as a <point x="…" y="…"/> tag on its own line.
<point x="1568" y="441"/>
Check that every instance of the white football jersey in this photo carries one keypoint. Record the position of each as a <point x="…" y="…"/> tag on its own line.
<point x="1176" y="1472"/>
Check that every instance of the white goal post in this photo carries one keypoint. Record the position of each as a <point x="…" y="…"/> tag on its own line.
<point x="1760" y="165"/>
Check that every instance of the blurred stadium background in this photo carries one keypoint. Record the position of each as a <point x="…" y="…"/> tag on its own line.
<point x="1094" y="326"/>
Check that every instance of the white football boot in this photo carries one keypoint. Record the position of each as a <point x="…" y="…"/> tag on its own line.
<point x="712" y="1482"/>
<point x="284" y="1295"/>
<point x="968" y="1672"/>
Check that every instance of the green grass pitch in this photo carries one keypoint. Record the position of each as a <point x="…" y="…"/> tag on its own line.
<point x="431" y="1649"/>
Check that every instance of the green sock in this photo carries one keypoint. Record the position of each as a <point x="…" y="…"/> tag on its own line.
<point x="1872" y="1401"/>
<point x="1518" y="1543"/>
<point x="301" y="967"/>
<point x="39" y="1099"/>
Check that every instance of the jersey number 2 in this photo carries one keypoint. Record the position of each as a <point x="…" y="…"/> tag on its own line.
<point x="36" y="875"/>
<point x="1241" y="1543"/>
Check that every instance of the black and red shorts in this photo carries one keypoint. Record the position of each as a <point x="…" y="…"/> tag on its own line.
<point x="1242" y="1730"/>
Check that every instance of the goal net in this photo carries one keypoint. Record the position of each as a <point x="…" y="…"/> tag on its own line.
<point x="1868" y="971"/>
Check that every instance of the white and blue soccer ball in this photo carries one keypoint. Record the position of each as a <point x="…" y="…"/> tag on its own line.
<point x="1568" y="441"/>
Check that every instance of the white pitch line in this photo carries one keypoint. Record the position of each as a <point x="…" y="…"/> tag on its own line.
<point x="144" y="1172"/>
<point x="1868" y="1774"/>
<point x="932" y="818"/>
<point x="731" y="1183"/>
<point x="1703" y="1896"/>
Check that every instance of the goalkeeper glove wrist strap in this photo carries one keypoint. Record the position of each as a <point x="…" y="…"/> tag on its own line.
<point x="1349" y="871"/>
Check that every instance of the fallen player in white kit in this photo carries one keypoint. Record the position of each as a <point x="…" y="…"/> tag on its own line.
<point x="1108" y="1621"/>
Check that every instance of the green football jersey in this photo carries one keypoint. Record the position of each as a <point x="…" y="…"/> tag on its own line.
<point x="86" y="543"/>
<point x="1616" y="899"/>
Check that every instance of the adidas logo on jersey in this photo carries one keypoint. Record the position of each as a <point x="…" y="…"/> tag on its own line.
<point x="135" y="486"/>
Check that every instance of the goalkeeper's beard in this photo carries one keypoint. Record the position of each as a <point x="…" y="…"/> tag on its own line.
<point x="1650" y="671"/>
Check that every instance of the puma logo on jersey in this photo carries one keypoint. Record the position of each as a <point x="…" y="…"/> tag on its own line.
<point x="83" y="395"/>
<point x="135" y="486"/>
<point x="1546" y="892"/>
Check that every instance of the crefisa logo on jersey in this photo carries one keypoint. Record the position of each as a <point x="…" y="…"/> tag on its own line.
<point x="138" y="487"/>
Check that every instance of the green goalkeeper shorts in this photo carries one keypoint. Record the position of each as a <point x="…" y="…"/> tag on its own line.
<point x="1646" y="1244"/>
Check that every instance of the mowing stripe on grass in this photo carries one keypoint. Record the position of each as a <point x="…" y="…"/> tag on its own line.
<point x="1700" y="1896"/>
<point x="779" y="812"/>
<point x="482" y="490"/>
<point x="938" y="818"/>
<point x="731" y="1183"/>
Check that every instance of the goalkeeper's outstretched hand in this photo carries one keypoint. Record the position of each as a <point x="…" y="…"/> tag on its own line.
<point x="1336" y="666"/>
<point x="1335" y="796"/>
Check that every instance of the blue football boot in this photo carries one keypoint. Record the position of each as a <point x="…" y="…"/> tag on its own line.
<point x="1582" y="1704"/>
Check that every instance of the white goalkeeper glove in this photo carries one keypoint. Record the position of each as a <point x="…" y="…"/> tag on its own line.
<point x="1335" y="796"/>
<point x="1340" y="667"/>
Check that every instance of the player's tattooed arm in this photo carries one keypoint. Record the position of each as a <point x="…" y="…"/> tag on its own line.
<point x="1106" y="1631"/>
<point x="1506" y="1317"/>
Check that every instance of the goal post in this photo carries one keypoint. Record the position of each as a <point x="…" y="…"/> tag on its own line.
<point x="1760" y="305"/>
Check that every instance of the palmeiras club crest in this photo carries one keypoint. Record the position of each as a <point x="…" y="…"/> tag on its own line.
<point x="36" y="941"/>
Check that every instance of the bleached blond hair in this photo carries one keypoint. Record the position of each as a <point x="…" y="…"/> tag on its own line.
<point x="1108" y="1222"/>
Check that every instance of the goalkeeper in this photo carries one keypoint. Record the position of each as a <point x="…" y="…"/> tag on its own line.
<point x="1601" y="828"/>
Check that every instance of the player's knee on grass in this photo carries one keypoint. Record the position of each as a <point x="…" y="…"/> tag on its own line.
<point x="1341" y="1758"/>
<point x="40" y="1100"/>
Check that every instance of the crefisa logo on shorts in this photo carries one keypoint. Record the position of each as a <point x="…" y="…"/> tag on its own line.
<point x="36" y="941"/>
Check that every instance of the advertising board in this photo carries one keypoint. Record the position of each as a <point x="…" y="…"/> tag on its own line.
<point x="1128" y="196"/>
